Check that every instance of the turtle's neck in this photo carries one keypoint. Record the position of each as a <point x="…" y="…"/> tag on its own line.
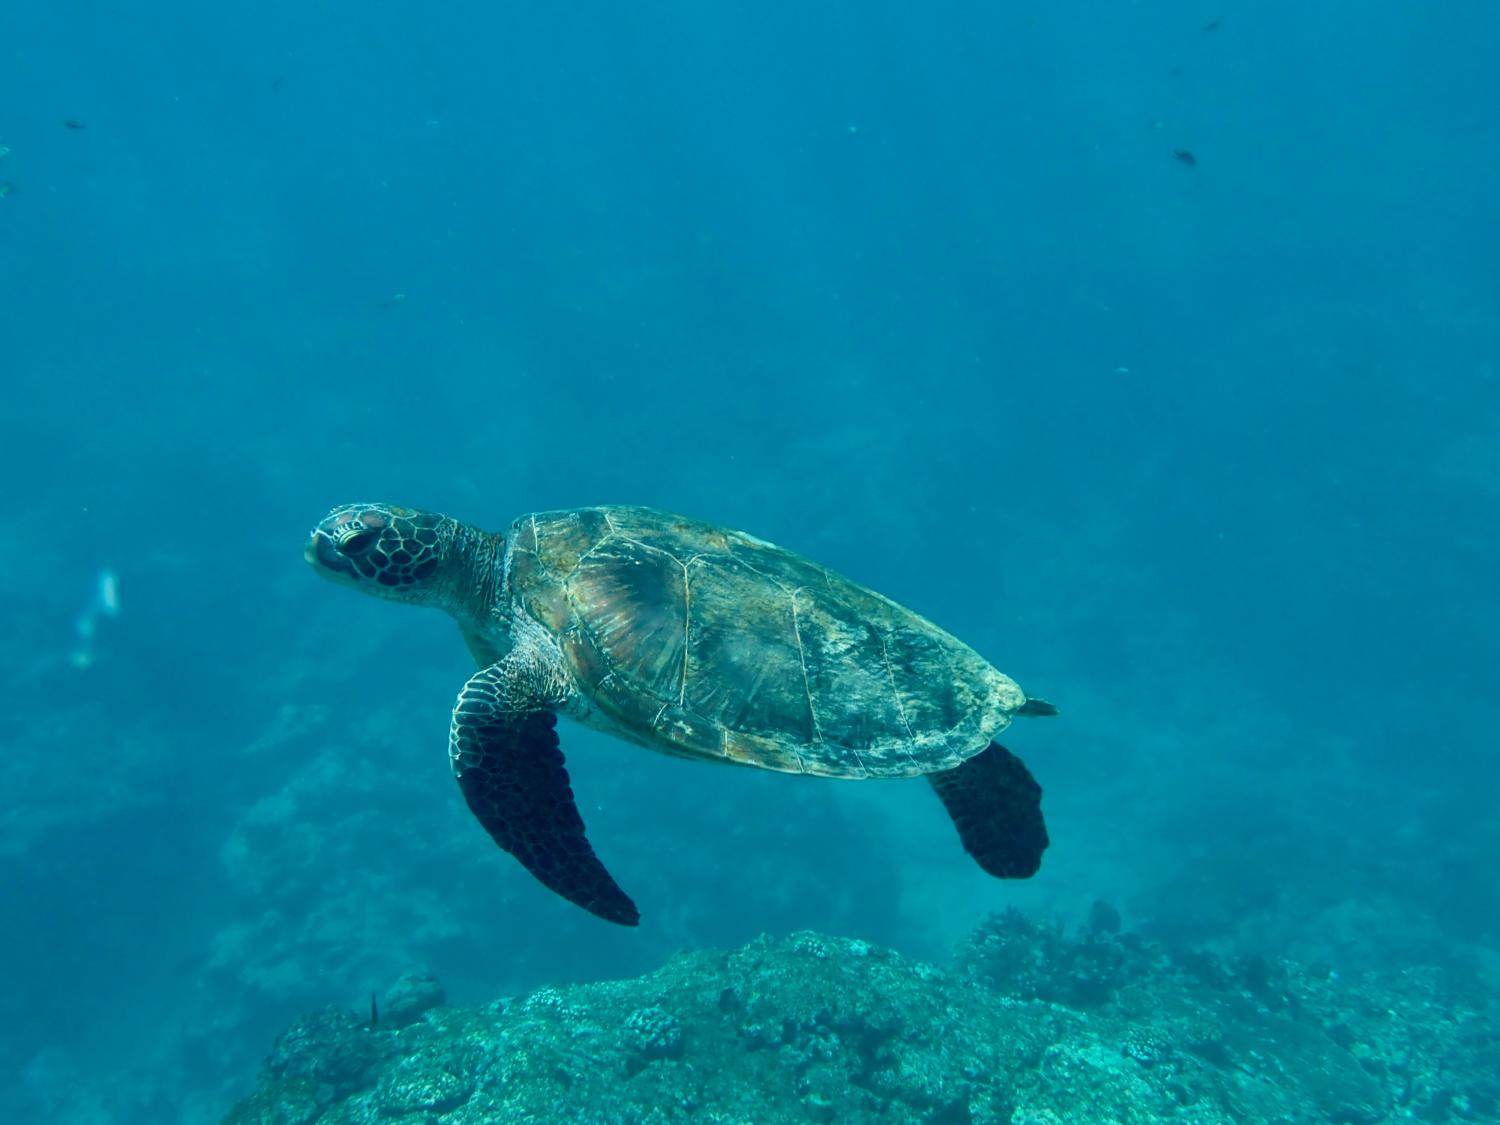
<point x="476" y="565"/>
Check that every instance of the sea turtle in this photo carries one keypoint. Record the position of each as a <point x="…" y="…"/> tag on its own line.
<point x="694" y="640"/>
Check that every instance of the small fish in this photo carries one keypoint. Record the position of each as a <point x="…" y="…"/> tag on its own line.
<point x="374" y="1013"/>
<point x="1183" y="156"/>
<point x="73" y="123"/>
<point x="1212" y="25"/>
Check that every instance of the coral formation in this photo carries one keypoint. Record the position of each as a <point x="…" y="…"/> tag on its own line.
<point x="1026" y="1026"/>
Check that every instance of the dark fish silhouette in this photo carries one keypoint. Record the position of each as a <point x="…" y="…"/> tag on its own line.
<point x="1212" y="25"/>
<point x="1183" y="156"/>
<point x="74" y="123"/>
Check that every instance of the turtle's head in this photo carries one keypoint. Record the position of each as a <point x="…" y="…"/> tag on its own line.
<point x="391" y="552"/>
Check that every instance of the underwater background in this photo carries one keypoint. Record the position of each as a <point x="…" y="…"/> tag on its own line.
<point x="1152" y="349"/>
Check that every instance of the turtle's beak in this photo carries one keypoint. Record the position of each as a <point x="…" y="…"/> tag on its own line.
<point x="322" y="554"/>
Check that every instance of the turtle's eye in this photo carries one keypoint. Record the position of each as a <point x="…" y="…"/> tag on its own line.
<point x="357" y="543"/>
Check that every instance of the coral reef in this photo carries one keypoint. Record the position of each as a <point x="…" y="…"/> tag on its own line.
<point x="1026" y="1026"/>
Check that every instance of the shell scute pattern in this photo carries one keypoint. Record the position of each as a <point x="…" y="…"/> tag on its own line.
<point x="717" y="644"/>
<point x="630" y="598"/>
<point x="759" y="688"/>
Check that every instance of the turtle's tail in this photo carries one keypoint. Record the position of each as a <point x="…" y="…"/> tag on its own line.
<point x="1034" y="706"/>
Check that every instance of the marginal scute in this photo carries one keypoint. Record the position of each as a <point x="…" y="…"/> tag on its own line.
<point x="691" y="731"/>
<point x="773" y="754"/>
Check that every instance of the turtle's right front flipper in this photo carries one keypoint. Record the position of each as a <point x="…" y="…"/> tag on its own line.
<point x="510" y="767"/>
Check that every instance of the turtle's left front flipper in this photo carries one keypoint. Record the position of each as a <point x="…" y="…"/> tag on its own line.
<point x="510" y="767"/>
<point x="997" y="807"/>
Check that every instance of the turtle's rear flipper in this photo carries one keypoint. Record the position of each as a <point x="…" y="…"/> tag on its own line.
<point x="510" y="768"/>
<point x="997" y="807"/>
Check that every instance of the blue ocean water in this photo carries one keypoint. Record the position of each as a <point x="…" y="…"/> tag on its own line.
<point x="1204" y="450"/>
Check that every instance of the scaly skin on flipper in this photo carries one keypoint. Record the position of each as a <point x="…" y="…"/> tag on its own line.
<point x="505" y="754"/>
<point x="692" y="640"/>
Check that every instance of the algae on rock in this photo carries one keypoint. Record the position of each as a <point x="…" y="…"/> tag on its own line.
<point x="1026" y="1025"/>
